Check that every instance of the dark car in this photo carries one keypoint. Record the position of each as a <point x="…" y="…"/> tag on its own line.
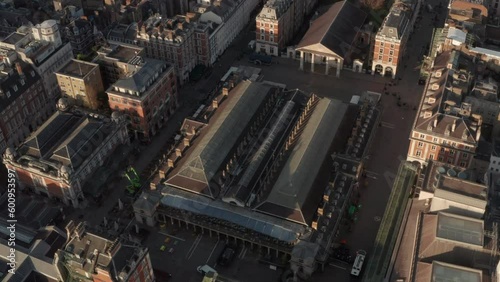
<point x="226" y="256"/>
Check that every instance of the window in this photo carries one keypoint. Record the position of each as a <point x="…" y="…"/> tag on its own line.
<point x="452" y="152"/>
<point x="442" y="150"/>
<point x="391" y="53"/>
<point x="381" y="50"/>
<point x="262" y="30"/>
<point x="462" y="164"/>
<point x="431" y="157"/>
<point x="435" y="139"/>
<point x="390" y="59"/>
<point x="419" y="153"/>
<point x="392" y="46"/>
<point x="272" y="26"/>
<point x="271" y="32"/>
<point x="433" y="148"/>
<point x="381" y="43"/>
<point x="440" y="159"/>
<point x="453" y="144"/>
<point x="262" y="37"/>
<point x="450" y="160"/>
<point x="422" y="136"/>
<point x="271" y="39"/>
<point x="380" y="57"/>
<point x="420" y="144"/>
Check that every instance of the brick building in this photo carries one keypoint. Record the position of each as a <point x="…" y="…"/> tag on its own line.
<point x="275" y="26"/>
<point x="445" y="129"/>
<point x="80" y="34"/>
<point x="59" y="157"/>
<point x="81" y="83"/>
<point x="91" y="257"/>
<point x="170" y="40"/>
<point x="24" y="104"/>
<point x="116" y="61"/>
<point x="148" y="96"/>
<point x="390" y="41"/>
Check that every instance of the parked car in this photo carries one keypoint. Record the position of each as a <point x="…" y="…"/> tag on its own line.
<point x="226" y="256"/>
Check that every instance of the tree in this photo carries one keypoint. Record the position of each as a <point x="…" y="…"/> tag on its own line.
<point x="373" y="4"/>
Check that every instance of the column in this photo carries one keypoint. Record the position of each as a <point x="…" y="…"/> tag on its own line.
<point x="339" y="66"/>
<point x="326" y="66"/>
<point x="312" y="62"/>
<point x="301" y="60"/>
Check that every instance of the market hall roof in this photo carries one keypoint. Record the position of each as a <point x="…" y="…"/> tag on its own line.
<point x="202" y="162"/>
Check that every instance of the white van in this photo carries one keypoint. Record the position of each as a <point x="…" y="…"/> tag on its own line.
<point x="204" y="269"/>
<point x="355" y="99"/>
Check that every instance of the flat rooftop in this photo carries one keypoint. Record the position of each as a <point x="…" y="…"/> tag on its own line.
<point x="77" y="68"/>
<point x="13" y="38"/>
<point x="122" y="53"/>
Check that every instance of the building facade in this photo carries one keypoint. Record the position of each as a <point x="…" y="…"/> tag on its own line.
<point x="81" y="83"/>
<point x="59" y="157"/>
<point x="42" y="47"/>
<point x="230" y="15"/>
<point x="278" y="22"/>
<point x="117" y="61"/>
<point x="24" y="104"/>
<point x="390" y="41"/>
<point x="148" y="96"/>
<point x="170" y="40"/>
<point x="90" y="257"/>
<point x="80" y="34"/>
<point x="445" y="129"/>
<point x="275" y="26"/>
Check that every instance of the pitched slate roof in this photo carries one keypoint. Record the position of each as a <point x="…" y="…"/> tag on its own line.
<point x="334" y="32"/>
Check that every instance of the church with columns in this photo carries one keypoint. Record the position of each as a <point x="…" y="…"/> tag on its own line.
<point x="331" y="37"/>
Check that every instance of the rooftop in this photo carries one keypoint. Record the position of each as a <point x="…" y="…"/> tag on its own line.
<point x="14" y="38"/>
<point x="65" y="139"/>
<point x="443" y="177"/>
<point x="330" y="33"/>
<point x="121" y="53"/>
<point x="441" y="111"/>
<point x="449" y="272"/>
<point x="274" y="9"/>
<point x="396" y="22"/>
<point x="142" y="78"/>
<point x="77" y="68"/>
<point x="289" y="195"/>
<point x="197" y="169"/>
<point x="13" y="84"/>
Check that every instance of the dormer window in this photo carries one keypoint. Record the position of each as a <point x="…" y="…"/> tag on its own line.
<point x="8" y="94"/>
<point x="15" y="88"/>
<point x="32" y="73"/>
<point x="22" y="81"/>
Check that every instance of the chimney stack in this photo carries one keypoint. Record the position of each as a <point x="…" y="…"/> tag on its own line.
<point x="19" y="69"/>
<point x="225" y="91"/>
<point x="186" y="142"/>
<point x="178" y="152"/>
<point x="454" y="126"/>
<point x="170" y="163"/>
<point x="215" y="104"/>
<point x="435" y="123"/>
